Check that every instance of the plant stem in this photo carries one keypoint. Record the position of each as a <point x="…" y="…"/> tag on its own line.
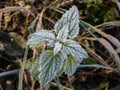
<point x="22" y="69"/>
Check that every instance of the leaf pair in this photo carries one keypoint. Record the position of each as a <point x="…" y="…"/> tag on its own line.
<point x="64" y="54"/>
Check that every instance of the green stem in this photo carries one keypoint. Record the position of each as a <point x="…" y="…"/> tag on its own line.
<point x="22" y="69"/>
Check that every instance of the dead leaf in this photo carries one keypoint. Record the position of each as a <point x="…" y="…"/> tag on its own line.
<point x="18" y="39"/>
<point x="11" y="47"/>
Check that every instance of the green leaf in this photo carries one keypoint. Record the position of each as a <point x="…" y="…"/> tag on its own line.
<point x="71" y="18"/>
<point x="34" y="68"/>
<point x="73" y="48"/>
<point x="49" y="66"/>
<point x="99" y="1"/>
<point x="70" y="65"/>
<point x="63" y="34"/>
<point x="37" y="38"/>
<point x="111" y="15"/>
<point x="32" y="25"/>
<point x="57" y="47"/>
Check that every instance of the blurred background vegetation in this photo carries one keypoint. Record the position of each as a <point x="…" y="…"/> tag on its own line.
<point x="99" y="35"/>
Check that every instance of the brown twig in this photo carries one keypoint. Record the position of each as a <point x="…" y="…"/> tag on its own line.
<point x="1" y="87"/>
<point x="1" y="20"/>
<point x="39" y="24"/>
<point x="49" y="19"/>
<point x="12" y="8"/>
<point x="54" y="84"/>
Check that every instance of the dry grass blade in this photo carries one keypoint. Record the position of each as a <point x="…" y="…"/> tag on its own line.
<point x="111" y="50"/>
<point x="13" y="8"/>
<point x="117" y="2"/>
<point x="108" y="25"/>
<point x="104" y="42"/>
<point x="95" y="55"/>
<point x="108" y="46"/>
<point x="1" y="87"/>
<point x="39" y="24"/>
<point x="112" y="39"/>
<point x="65" y="3"/>
<point x="49" y="19"/>
<point x="66" y="88"/>
<point x="118" y="50"/>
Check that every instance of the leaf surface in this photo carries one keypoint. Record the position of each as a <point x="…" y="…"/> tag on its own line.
<point x="73" y="48"/>
<point x="34" y="68"/>
<point x="63" y="34"/>
<point x="70" y="65"/>
<point x="50" y="65"/>
<point x="57" y="47"/>
<point x="39" y="37"/>
<point x="71" y="17"/>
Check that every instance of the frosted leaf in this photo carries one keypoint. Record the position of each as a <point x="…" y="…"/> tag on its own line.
<point x="63" y="33"/>
<point x="37" y="38"/>
<point x="64" y="54"/>
<point x="71" y="17"/>
<point x="51" y="43"/>
<point x="73" y="48"/>
<point x="49" y="66"/>
<point x="70" y="65"/>
<point x="57" y="47"/>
